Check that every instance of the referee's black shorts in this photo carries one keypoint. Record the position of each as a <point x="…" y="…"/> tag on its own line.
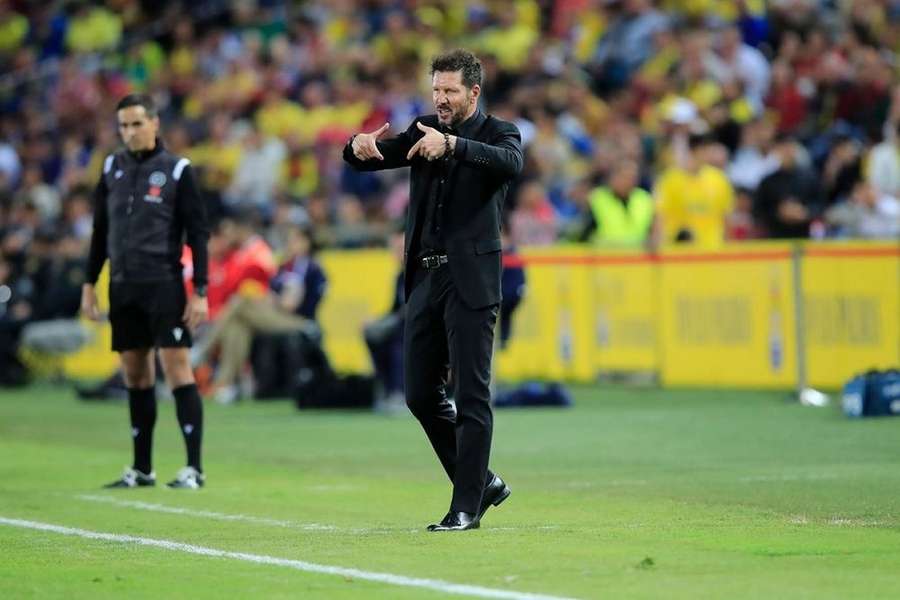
<point x="147" y="315"/>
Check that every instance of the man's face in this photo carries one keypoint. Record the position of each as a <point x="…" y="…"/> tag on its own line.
<point x="298" y="243"/>
<point x="865" y="195"/>
<point x="453" y="101"/>
<point x="624" y="179"/>
<point x="138" y="131"/>
<point x="786" y="151"/>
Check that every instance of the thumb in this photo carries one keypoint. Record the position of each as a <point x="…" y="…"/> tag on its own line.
<point x="381" y="129"/>
<point x="421" y="127"/>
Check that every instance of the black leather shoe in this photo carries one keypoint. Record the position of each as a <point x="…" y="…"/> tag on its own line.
<point x="456" y="521"/>
<point x="494" y="494"/>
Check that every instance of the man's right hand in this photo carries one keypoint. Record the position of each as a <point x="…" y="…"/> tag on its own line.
<point x="89" y="308"/>
<point x="364" y="146"/>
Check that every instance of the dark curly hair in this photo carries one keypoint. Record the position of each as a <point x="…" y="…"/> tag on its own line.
<point x="459" y="60"/>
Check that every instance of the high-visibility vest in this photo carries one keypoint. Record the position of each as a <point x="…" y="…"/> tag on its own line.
<point x="621" y="223"/>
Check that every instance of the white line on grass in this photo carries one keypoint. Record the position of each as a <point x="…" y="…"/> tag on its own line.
<point x="300" y="565"/>
<point x="788" y="477"/>
<point x="208" y="514"/>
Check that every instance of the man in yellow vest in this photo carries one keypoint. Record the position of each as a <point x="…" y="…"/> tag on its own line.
<point x="694" y="201"/>
<point x="621" y="213"/>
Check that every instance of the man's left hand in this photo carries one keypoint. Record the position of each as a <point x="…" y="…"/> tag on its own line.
<point x="432" y="145"/>
<point x="196" y="312"/>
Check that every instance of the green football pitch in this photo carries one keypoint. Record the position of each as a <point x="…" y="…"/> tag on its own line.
<point x="629" y="494"/>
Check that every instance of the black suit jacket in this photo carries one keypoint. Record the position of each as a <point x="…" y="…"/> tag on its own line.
<point x="487" y="157"/>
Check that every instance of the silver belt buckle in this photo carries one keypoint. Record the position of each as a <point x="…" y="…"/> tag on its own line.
<point x="432" y="262"/>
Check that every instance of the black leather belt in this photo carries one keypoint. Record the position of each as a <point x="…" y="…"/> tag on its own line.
<point x="434" y="261"/>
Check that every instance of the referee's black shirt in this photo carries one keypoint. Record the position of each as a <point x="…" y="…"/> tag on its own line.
<point x="147" y="205"/>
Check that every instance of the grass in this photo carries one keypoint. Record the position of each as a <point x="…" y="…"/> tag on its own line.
<point x="630" y="494"/>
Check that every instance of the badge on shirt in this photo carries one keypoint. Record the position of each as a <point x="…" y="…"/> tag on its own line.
<point x="157" y="181"/>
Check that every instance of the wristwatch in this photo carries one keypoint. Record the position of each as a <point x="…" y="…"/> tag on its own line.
<point x="200" y="291"/>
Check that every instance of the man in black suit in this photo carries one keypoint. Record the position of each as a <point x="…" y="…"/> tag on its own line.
<point x="462" y="163"/>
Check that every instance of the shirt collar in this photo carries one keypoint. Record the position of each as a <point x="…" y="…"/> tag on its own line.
<point x="470" y="125"/>
<point x="142" y="155"/>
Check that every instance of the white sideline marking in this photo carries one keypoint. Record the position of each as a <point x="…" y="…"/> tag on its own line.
<point x="788" y="477"/>
<point x="175" y="510"/>
<point x="208" y="514"/>
<point x="611" y="483"/>
<point x="855" y="522"/>
<point x="300" y="565"/>
<point x="839" y="522"/>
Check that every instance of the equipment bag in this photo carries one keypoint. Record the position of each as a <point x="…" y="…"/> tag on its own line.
<point x="872" y="394"/>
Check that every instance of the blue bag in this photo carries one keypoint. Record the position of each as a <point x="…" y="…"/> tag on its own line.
<point x="872" y="394"/>
<point x="534" y="394"/>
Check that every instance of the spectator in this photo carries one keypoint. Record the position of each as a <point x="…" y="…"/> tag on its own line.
<point x="753" y="160"/>
<point x="512" y="288"/>
<point x="77" y="216"/>
<point x="300" y="282"/>
<point x="587" y="83"/>
<point x="257" y="173"/>
<point x="842" y="169"/>
<point x="13" y="29"/>
<point x="787" y="99"/>
<point x="533" y="222"/>
<point x="10" y="166"/>
<point x="744" y="63"/>
<point x="15" y="313"/>
<point x="384" y="339"/>
<point x="883" y="170"/>
<point x="788" y="199"/>
<point x="44" y="197"/>
<point x="628" y="42"/>
<point x="289" y="306"/>
<point x="867" y="214"/>
<point x="694" y="202"/>
<point x="621" y="212"/>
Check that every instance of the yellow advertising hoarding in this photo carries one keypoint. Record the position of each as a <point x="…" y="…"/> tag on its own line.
<point x="583" y="313"/>
<point x="851" y="307"/>
<point x="727" y="318"/>
<point x="360" y="289"/>
<point x="94" y="360"/>
<point x="724" y="318"/>
<point x="624" y="302"/>
<point x="550" y="335"/>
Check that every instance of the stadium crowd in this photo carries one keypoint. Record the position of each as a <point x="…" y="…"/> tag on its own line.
<point x="644" y="122"/>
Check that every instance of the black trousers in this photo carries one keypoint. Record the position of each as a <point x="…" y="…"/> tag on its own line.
<point x="445" y="340"/>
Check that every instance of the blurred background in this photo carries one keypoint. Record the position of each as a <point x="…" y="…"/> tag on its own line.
<point x="754" y="146"/>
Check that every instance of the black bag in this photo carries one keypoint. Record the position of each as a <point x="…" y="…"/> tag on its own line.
<point x="321" y="388"/>
<point x="278" y="359"/>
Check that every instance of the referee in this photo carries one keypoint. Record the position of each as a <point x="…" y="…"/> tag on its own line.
<point x="147" y="205"/>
